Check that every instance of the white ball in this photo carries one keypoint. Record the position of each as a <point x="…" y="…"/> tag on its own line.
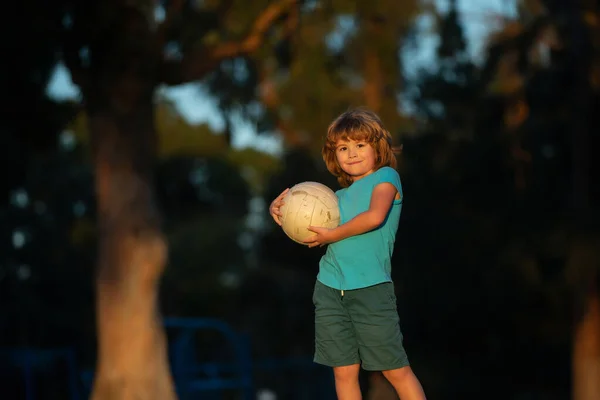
<point x="309" y="204"/>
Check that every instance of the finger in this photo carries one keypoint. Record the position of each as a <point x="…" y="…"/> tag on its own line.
<point x="278" y="202"/>
<point x="275" y="208"/>
<point x="276" y="211"/>
<point x="282" y="195"/>
<point x="276" y="219"/>
<point x="315" y="229"/>
<point x="311" y="239"/>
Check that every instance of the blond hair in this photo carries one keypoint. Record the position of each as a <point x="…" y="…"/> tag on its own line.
<point x="360" y="125"/>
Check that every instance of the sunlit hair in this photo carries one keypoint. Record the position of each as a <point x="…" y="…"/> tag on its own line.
<point x="359" y="125"/>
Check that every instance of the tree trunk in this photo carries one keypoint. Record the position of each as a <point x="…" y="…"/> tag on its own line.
<point x="118" y="90"/>
<point x="585" y="256"/>
<point x="586" y="352"/>
<point x="132" y="357"/>
<point x="373" y="88"/>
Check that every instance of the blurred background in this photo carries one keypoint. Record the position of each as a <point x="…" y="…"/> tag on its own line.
<point x="219" y="105"/>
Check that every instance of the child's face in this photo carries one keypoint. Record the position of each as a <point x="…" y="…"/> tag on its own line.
<point x="356" y="157"/>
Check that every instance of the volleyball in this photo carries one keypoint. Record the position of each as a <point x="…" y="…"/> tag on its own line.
<point x="308" y="204"/>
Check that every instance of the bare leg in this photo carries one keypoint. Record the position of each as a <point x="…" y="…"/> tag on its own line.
<point x="346" y="382"/>
<point x="406" y="383"/>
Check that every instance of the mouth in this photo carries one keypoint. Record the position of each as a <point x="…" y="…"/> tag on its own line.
<point x="354" y="162"/>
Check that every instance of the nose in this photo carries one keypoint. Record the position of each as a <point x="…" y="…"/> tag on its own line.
<point x="351" y="152"/>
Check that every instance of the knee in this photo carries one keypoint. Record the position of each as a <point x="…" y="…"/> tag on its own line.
<point x="347" y="373"/>
<point x="398" y="376"/>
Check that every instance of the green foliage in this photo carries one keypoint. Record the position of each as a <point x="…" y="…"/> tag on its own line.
<point x="318" y="69"/>
<point x="180" y="139"/>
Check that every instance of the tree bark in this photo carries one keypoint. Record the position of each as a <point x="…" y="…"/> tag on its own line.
<point x="586" y="352"/>
<point x="132" y="356"/>
<point x="373" y="87"/>
<point x="585" y="256"/>
<point x="118" y="81"/>
<point x="132" y="360"/>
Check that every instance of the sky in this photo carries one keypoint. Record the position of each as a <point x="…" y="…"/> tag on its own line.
<point x="479" y="17"/>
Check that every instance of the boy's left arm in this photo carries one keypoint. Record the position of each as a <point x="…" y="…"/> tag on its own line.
<point x="381" y="202"/>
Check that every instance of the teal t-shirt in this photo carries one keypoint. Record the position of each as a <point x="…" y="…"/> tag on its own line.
<point x="362" y="260"/>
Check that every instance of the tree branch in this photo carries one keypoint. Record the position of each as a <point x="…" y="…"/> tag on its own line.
<point x="521" y="42"/>
<point x="270" y="97"/>
<point x="271" y="101"/>
<point x="197" y="64"/>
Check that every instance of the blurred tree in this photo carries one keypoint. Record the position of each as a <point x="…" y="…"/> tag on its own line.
<point x="344" y="54"/>
<point x="544" y="70"/>
<point x="495" y="207"/>
<point x="118" y="53"/>
<point x="450" y="174"/>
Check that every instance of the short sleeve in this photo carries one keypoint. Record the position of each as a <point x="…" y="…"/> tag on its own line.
<point x="390" y="175"/>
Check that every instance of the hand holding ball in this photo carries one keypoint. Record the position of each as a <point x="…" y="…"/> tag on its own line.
<point x="308" y="204"/>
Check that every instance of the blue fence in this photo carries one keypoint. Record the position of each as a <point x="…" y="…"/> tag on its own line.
<point x="192" y="375"/>
<point x="230" y="367"/>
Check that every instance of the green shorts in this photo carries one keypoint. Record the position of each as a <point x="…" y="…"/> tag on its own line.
<point x="358" y="327"/>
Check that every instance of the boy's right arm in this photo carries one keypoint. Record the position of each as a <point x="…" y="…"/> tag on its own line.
<point x="274" y="208"/>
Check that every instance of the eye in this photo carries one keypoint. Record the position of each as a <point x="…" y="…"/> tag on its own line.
<point x="343" y="148"/>
<point x="361" y="145"/>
